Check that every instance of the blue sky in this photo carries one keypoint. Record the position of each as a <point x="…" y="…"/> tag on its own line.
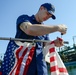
<point x="11" y="9"/>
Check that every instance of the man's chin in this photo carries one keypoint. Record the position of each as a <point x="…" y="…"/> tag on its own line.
<point x="45" y="19"/>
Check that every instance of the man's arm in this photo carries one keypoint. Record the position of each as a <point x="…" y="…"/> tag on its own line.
<point x="39" y="29"/>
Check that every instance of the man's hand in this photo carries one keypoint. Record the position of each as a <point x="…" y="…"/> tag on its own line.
<point x="58" y="42"/>
<point x="62" y="28"/>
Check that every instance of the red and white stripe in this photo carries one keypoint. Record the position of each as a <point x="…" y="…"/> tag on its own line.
<point x="57" y="67"/>
<point x="24" y="56"/>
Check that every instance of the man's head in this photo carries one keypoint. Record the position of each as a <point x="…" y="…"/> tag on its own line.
<point x="45" y="12"/>
<point x="50" y="8"/>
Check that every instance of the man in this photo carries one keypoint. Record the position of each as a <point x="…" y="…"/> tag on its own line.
<point x="31" y="27"/>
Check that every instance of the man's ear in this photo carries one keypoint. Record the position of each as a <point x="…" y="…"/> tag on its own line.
<point x="41" y="7"/>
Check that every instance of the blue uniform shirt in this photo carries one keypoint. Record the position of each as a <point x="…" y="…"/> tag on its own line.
<point x="38" y="65"/>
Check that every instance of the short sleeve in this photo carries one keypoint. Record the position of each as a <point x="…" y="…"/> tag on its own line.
<point x="22" y="18"/>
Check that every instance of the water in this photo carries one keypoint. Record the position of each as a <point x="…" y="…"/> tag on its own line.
<point x="71" y="70"/>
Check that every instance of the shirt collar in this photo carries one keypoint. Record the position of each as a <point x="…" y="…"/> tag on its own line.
<point x="33" y="17"/>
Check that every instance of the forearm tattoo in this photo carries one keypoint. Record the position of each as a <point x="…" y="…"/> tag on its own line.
<point x="25" y="27"/>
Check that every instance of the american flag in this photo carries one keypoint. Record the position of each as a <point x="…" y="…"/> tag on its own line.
<point x="17" y="58"/>
<point x="19" y="55"/>
<point x="57" y="66"/>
